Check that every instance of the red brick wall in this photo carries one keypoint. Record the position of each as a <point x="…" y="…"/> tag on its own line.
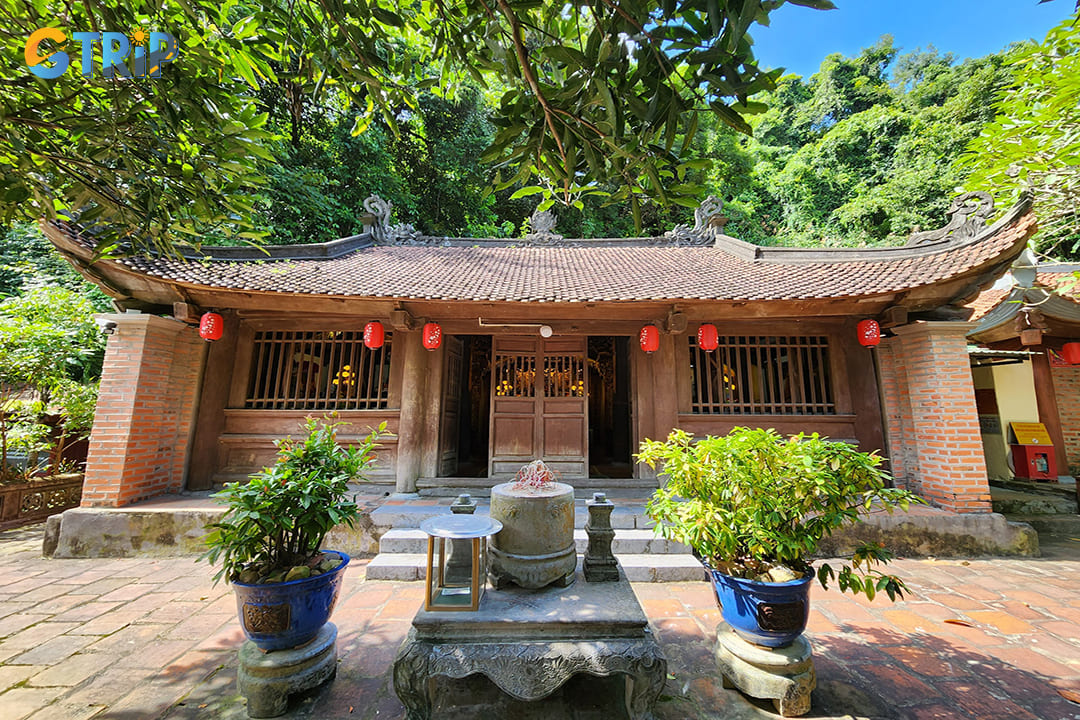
<point x="930" y="413"/>
<point x="1067" y="391"/>
<point x="146" y="406"/>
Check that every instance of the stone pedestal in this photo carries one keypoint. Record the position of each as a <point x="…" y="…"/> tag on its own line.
<point x="783" y="675"/>
<point x="529" y="644"/>
<point x="599" y="564"/>
<point x="267" y="679"/>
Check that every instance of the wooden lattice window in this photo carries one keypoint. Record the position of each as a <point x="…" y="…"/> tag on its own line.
<point x="326" y="370"/>
<point x="515" y="375"/>
<point x="762" y="375"/>
<point x="564" y="376"/>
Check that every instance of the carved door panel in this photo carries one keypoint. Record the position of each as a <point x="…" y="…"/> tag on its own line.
<point x="539" y="405"/>
<point x="449" y="424"/>
<point x="564" y="422"/>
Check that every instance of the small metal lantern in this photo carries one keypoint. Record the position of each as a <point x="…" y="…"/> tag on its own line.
<point x="441" y="592"/>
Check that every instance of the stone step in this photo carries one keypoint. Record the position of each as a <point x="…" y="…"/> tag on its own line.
<point x="627" y="541"/>
<point x="625" y="516"/>
<point x="638" y="567"/>
<point x="1014" y="502"/>
<point x="1054" y="524"/>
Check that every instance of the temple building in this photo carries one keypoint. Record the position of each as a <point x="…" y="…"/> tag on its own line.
<point x="1026" y="368"/>
<point x="495" y="352"/>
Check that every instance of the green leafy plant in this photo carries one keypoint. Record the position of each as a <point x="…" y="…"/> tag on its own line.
<point x="277" y="521"/>
<point x="756" y="505"/>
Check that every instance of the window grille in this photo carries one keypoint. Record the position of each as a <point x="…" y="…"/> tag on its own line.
<point x="327" y="370"/>
<point x="515" y="375"/>
<point x="762" y="375"/>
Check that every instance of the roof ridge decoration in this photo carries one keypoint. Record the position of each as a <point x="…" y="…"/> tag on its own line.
<point x="967" y="215"/>
<point x="542" y="229"/>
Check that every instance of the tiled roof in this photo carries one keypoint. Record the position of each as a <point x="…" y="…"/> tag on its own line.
<point x="986" y="301"/>
<point x="601" y="273"/>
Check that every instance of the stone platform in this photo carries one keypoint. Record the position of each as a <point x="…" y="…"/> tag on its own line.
<point x="530" y="644"/>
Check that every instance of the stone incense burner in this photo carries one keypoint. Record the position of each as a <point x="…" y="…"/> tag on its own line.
<point x="535" y="548"/>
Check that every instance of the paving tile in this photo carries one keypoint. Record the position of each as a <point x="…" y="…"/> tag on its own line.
<point x="72" y="671"/>
<point x="53" y="651"/>
<point x="12" y="675"/>
<point x="17" y="622"/>
<point x="20" y="702"/>
<point x="37" y="634"/>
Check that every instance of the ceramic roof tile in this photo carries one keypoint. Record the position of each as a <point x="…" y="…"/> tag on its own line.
<point x="584" y="274"/>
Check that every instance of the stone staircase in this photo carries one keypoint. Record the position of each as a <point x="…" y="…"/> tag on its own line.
<point x="1048" y="507"/>
<point x="644" y="556"/>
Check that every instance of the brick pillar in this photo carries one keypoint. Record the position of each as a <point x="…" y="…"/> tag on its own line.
<point x="934" y="409"/>
<point x="1067" y="390"/>
<point x="145" y="412"/>
<point x="896" y="413"/>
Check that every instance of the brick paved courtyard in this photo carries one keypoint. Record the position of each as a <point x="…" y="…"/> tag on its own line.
<point x="153" y="638"/>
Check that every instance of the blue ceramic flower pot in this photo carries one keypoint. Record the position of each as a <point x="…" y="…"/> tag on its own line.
<point x="769" y="614"/>
<point x="279" y="616"/>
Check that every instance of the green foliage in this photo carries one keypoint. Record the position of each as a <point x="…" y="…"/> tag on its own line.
<point x="50" y="360"/>
<point x="591" y="94"/>
<point x="1034" y="141"/>
<point x="846" y="158"/>
<point x="752" y="500"/>
<point x="279" y="518"/>
<point x="28" y="260"/>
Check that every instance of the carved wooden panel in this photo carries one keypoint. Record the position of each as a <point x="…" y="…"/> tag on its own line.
<point x="539" y="404"/>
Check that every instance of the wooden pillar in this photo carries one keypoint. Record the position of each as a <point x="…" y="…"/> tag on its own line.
<point x="411" y="427"/>
<point x="221" y="360"/>
<point x="1046" y="399"/>
<point x="643" y="395"/>
<point x="861" y="376"/>
<point x="665" y="386"/>
<point x="432" y="412"/>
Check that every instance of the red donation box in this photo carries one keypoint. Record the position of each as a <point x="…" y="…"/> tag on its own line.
<point x="1033" y="453"/>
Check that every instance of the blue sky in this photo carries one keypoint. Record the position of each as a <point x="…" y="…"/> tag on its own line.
<point x="798" y="38"/>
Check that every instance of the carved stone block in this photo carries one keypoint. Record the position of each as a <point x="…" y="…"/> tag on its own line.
<point x="266" y="680"/>
<point x="784" y="675"/>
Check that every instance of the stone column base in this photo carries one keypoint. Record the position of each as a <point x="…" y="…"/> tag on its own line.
<point x="783" y="675"/>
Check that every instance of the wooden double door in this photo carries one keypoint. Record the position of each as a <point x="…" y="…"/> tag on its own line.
<point x="539" y="405"/>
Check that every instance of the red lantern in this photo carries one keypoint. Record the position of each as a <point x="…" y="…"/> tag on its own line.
<point x="650" y="339"/>
<point x="431" y="336"/>
<point x="708" y="339"/>
<point x="869" y="333"/>
<point x="1071" y="353"/>
<point x="211" y="326"/>
<point x="374" y="335"/>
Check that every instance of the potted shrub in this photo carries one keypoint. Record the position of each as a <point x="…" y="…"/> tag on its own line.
<point x="268" y="542"/>
<point x="754" y="506"/>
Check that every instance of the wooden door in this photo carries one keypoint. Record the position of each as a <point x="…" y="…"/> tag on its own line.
<point x="539" y="408"/>
<point x="449" y="424"/>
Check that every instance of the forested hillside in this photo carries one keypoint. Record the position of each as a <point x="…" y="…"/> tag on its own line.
<point x="862" y="152"/>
